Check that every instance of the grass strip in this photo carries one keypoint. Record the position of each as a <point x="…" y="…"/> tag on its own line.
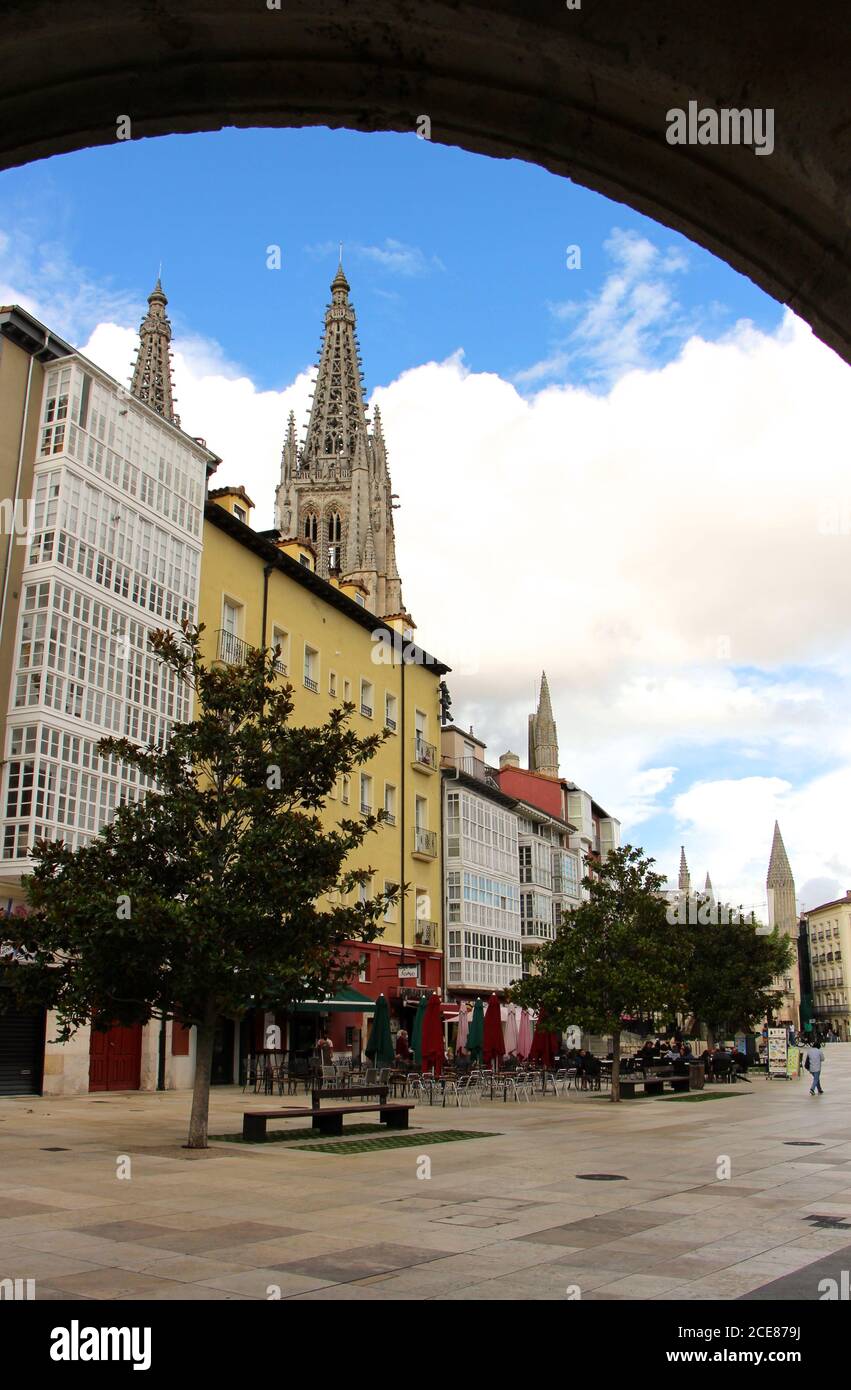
<point x="394" y="1141"/>
<point x="286" y="1136"/>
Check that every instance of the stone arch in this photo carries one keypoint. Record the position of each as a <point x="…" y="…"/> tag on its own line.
<point x="581" y="89"/>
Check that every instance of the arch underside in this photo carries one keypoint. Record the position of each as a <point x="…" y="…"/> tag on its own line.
<point x="584" y="93"/>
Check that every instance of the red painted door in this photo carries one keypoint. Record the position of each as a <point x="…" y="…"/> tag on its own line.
<point x="115" y="1059"/>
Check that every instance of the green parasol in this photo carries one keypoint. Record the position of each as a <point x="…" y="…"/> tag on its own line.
<point x="476" y="1034"/>
<point x="417" y="1031"/>
<point x="379" y="1047"/>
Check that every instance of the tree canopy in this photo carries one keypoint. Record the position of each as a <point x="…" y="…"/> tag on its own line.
<point x="222" y="884"/>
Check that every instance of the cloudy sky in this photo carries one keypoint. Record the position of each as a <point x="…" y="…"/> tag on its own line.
<point x="632" y="473"/>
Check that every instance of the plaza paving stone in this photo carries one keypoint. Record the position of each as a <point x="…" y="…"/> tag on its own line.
<point x="504" y="1218"/>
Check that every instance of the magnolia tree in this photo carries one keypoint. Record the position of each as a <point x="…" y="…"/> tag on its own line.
<point x="206" y="893"/>
<point x="614" y="956"/>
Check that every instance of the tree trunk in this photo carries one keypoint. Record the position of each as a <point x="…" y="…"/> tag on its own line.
<point x="616" y="1064"/>
<point x="710" y="1037"/>
<point x="199" y="1118"/>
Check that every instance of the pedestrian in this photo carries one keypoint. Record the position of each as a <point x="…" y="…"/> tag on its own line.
<point x="325" y="1048"/>
<point x="813" y="1061"/>
<point x="403" y="1047"/>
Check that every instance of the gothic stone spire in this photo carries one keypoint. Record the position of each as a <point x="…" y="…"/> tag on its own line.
<point x="152" y="381"/>
<point x="336" y="490"/>
<point x="685" y="877"/>
<point x="543" y="737"/>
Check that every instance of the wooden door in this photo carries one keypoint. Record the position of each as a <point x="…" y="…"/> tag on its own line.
<point x="115" y="1058"/>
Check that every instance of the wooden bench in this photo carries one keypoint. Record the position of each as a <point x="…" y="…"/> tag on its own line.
<point x="654" y="1085"/>
<point x="330" y="1122"/>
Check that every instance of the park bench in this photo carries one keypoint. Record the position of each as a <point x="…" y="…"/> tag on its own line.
<point x="653" y="1084"/>
<point x="393" y="1114"/>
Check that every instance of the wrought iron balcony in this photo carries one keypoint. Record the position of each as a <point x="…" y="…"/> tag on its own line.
<point x="232" y="650"/>
<point x="425" y="754"/>
<point x="311" y="684"/>
<point x="425" y="843"/>
<point x="366" y="710"/>
<point x="426" y="933"/>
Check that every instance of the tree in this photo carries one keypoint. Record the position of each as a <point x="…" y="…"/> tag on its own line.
<point x="205" y="892"/>
<point x="732" y="975"/>
<point x="614" y="955"/>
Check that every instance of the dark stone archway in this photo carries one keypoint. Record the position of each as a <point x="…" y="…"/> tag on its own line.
<point x="583" y="92"/>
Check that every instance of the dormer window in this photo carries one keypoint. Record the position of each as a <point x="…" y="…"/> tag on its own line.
<point x="240" y="513"/>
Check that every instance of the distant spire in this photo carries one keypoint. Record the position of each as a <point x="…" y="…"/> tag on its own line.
<point x="779" y="868"/>
<point x="543" y="735"/>
<point x="152" y="381"/>
<point x="708" y="890"/>
<point x="685" y="877"/>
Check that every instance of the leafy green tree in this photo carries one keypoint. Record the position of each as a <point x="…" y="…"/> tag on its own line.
<point x="732" y="975"/>
<point x="613" y="956"/>
<point x="205" y="892"/>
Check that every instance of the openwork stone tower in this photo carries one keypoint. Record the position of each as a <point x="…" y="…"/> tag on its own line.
<point x="335" y="491"/>
<point x="152" y="381"/>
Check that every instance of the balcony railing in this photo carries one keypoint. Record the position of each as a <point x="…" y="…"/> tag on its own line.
<point x="366" y="710"/>
<point x="230" y="648"/>
<point x="389" y="818"/>
<point x="426" y="933"/>
<point x="365" y="808"/>
<point x="425" y="842"/>
<point x="311" y="684"/>
<point x="425" y="754"/>
<point x="233" y="650"/>
<point x="390" y="723"/>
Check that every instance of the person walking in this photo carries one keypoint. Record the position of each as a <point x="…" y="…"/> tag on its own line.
<point x="813" y="1061"/>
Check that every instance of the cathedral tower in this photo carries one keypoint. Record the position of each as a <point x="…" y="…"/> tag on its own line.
<point x="543" y="737"/>
<point x="684" y="882"/>
<point x="783" y="915"/>
<point x="152" y="370"/>
<point x="335" y="491"/>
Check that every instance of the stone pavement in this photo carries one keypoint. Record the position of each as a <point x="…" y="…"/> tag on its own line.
<point x="506" y="1217"/>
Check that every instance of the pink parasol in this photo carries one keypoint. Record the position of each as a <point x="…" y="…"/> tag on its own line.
<point x="510" y="1030"/>
<point x="524" y="1035"/>
<point x="463" y="1026"/>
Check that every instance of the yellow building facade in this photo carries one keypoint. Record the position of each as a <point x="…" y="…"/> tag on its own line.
<point x="256" y="590"/>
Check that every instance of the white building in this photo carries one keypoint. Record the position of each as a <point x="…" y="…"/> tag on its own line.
<point x="481" y="872"/>
<point x="113" y="551"/>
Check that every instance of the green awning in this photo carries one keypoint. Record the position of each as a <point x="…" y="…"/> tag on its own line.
<point x="344" y="1001"/>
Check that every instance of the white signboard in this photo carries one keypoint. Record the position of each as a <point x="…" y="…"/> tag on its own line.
<point x="409" y="972"/>
<point x="777" y="1045"/>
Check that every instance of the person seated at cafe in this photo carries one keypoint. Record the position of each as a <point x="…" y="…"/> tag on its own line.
<point x="680" y="1064"/>
<point x="740" y="1060"/>
<point x="403" y="1047"/>
<point x="686" y="1052"/>
<point x="672" y="1054"/>
<point x="463" y="1061"/>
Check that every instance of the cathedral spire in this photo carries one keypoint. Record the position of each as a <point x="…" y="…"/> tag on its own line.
<point x="684" y="883"/>
<point x="779" y="868"/>
<point x="708" y="890"/>
<point x="543" y="736"/>
<point x="336" y="490"/>
<point x="152" y="381"/>
<point x="338" y="411"/>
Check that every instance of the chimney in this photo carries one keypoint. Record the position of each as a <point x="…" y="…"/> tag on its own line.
<point x="509" y="760"/>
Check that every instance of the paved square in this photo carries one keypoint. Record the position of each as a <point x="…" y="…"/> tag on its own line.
<point x="503" y="1218"/>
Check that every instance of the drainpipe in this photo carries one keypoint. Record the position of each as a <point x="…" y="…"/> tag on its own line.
<point x="267" y="570"/>
<point x="161" y="1058"/>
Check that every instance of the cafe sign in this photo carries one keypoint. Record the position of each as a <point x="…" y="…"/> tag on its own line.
<point x="409" y="972"/>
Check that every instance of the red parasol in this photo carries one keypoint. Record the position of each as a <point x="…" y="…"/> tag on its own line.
<point x="544" y="1043"/>
<point x="494" y="1042"/>
<point x="431" y="1047"/>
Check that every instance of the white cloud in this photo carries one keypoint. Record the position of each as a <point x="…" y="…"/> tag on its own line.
<point x="395" y="257"/>
<point x="623" y="325"/>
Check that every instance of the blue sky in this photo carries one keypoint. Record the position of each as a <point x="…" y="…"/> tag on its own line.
<point x="613" y="471"/>
<point x="442" y="247"/>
